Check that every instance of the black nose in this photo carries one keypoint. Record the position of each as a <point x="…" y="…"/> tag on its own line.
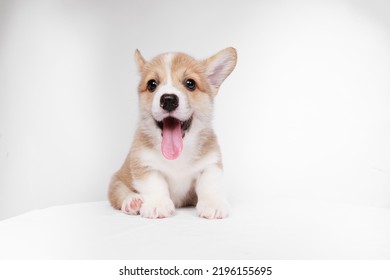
<point x="169" y="102"/>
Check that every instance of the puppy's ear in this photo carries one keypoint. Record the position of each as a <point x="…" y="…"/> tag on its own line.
<point x="220" y="65"/>
<point x="140" y="60"/>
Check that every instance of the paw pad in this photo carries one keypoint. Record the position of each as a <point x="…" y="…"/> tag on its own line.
<point x="132" y="204"/>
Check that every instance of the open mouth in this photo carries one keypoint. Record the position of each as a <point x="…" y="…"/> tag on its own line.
<point x="171" y="122"/>
<point x="173" y="132"/>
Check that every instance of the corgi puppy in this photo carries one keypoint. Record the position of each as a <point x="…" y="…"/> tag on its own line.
<point x="175" y="159"/>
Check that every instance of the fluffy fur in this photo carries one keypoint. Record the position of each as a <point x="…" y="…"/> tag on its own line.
<point x="148" y="183"/>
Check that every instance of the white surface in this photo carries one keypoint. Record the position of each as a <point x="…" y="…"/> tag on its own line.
<point x="306" y="113"/>
<point x="279" y="229"/>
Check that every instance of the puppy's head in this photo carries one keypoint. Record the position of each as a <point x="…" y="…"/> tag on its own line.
<point x="175" y="90"/>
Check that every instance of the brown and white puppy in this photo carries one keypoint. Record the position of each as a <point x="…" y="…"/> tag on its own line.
<point x="175" y="159"/>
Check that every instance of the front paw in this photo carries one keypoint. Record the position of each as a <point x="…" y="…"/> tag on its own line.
<point x="132" y="204"/>
<point x="213" y="208"/>
<point x="157" y="208"/>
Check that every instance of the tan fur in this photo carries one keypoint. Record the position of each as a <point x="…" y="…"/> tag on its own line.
<point x="183" y="67"/>
<point x="208" y="143"/>
<point x="131" y="170"/>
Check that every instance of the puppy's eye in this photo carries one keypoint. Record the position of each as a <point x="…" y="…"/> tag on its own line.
<point x="152" y="85"/>
<point x="190" y="84"/>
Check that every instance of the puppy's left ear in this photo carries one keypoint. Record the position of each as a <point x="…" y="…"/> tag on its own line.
<point x="220" y="65"/>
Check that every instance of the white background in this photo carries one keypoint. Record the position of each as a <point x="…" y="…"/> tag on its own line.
<point x="305" y="114"/>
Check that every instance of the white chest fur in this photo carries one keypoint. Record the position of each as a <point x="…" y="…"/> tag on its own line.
<point x="181" y="173"/>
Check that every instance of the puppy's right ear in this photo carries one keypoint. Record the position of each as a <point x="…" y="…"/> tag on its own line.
<point x="139" y="60"/>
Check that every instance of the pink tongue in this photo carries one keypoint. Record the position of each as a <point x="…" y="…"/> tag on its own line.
<point x="172" y="141"/>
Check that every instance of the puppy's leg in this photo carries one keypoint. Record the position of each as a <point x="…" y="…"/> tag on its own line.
<point x="212" y="203"/>
<point x="124" y="198"/>
<point x="155" y="192"/>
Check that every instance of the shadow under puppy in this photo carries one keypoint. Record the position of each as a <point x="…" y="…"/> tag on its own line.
<point x="175" y="159"/>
